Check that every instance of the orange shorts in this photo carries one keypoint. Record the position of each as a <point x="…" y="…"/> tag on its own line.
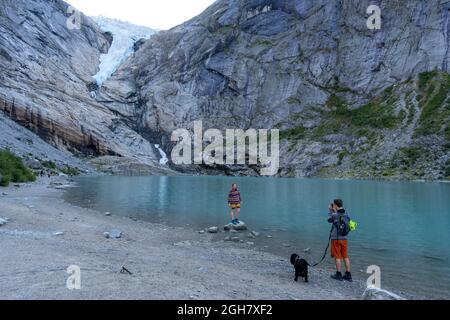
<point x="339" y="249"/>
<point x="235" y="205"/>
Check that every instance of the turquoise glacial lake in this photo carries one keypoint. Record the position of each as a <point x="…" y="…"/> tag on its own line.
<point x="403" y="227"/>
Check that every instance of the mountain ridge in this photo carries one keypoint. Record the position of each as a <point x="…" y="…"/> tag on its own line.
<point x="349" y="101"/>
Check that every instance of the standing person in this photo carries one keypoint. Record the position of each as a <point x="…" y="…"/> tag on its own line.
<point x="339" y="247"/>
<point x="234" y="202"/>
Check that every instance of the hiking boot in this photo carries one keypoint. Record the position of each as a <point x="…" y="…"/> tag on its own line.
<point x="337" y="276"/>
<point x="348" y="277"/>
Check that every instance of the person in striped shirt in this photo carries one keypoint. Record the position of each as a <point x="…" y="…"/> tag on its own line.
<point x="234" y="202"/>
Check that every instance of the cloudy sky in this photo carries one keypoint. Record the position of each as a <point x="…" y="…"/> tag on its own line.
<point x="157" y="14"/>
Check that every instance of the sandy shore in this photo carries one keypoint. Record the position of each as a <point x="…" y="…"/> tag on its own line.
<point x="166" y="262"/>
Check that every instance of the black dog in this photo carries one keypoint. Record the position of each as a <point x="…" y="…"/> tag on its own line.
<point x="300" y="266"/>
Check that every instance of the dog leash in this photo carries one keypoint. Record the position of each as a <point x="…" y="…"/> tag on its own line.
<point x="326" y="249"/>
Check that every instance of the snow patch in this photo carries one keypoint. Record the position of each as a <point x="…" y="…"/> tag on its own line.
<point x="163" y="159"/>
<point x="125" y="35"/>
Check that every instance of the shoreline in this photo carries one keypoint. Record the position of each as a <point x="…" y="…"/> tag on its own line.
<point x="45" y="235"/>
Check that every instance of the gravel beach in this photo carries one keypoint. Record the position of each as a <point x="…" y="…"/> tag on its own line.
<point x="44" y="235"/>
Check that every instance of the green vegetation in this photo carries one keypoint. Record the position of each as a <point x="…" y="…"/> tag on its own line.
<point x="293" y="100"/>
<point x="49" y="165"/>
<point x="374" y="114"/>
<point x="70" y="171"/>
<point x="12" y="169"/>
<point x="434" y="87"/>
<point x="363" y="121"/>
<point x="338" y="104"/>
<point x="378" y="113"/>
<point x="293" y="134"/>
<point x="227" y="29"/>
<point x="341" y="156"/>
<point x="425" y="78"/>
<point x="407" y="157"/>
<point x="447" y="170"/>
<point x="262" y="42"/>
<point x="447" y="133"/>
<point x="411" y="154"/>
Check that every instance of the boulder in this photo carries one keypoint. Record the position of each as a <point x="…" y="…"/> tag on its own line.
<point x="33" y="164"/>
<point x="255" y="233"/>
<point x="59" y="233"/>
<point x="114" y="233"/>
<point x="107" y="214"/>
<point x="3" y="221"/>
<point x="238" y="227"/>
<point x="213" y="229"/>
<point x="372" y="293"/>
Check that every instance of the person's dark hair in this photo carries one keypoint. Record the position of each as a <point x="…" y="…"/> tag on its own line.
<point x="338" y="202"/>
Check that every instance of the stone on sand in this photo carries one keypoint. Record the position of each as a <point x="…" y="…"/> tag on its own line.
<point x="238" y="227"/>
<point x="213" y="229"/>
<point x="114" y="233"/>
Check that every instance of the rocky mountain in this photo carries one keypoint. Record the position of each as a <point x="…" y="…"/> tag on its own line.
<point x="46" y="77"/>
<point x="349" y="101"/>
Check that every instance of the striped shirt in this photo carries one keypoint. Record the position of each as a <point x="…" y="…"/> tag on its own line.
<point x="234" y="197"/>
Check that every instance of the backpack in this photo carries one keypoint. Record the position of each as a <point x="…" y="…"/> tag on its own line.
<point x="343" y="225"/>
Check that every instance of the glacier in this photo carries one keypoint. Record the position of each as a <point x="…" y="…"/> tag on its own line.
<point x="125" y="35"/>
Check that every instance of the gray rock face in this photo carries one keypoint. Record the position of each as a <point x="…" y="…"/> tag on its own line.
<point x="46" y="75"/>
<point x="24" y="143"/>
<point x="279" y="64"/>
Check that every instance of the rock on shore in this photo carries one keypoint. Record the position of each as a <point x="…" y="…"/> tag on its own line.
<point x="238" y="227"/>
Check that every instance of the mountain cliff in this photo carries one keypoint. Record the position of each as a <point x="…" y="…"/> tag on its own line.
<point x="46" y="77"/>
<point x="349" y="101"/>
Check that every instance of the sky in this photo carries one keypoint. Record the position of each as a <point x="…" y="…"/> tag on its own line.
<point x="156" y="14"/>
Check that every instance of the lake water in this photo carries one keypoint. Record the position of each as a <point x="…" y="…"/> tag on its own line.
<point x="403" y="227"/>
